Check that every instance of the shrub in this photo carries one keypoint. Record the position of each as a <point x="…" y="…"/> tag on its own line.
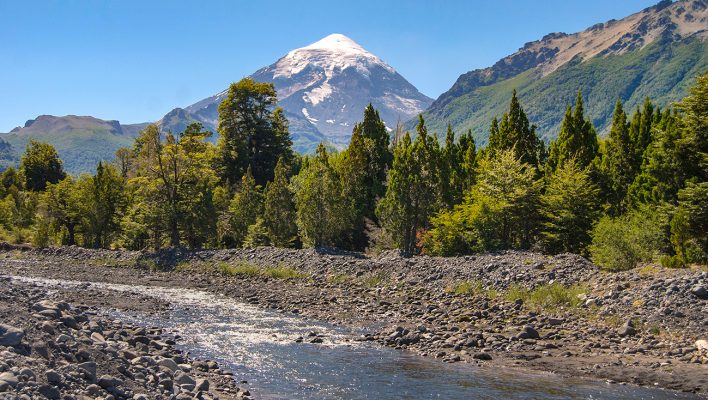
<point x="672" y="262"/>
<point x="622" y="243"/>
<point x="549" y="296"/>
<point x="241" y="268"/>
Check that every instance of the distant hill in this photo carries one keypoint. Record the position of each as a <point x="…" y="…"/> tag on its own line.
<point x="656" y="53"/>
<point x="80" y="141"/>
<point x="8" y="157"/>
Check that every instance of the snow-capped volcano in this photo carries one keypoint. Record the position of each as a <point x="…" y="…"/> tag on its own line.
<point x="324" y="88"/>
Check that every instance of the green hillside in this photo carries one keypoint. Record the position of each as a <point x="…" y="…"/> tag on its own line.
<point x="81" y="141"/>
<point x="662" y="71"/>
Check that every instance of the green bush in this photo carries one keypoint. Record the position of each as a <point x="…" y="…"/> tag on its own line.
<point x="622" y="243"/>
<point x="549" y="296"/>
<point x="672" y="262"/>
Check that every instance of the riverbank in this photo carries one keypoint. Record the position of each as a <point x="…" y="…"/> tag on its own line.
<point x="52" y="349"/>
<point x="643" y="326"/>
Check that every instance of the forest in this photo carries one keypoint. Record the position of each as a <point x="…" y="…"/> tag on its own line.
<point x="636" y="196"/>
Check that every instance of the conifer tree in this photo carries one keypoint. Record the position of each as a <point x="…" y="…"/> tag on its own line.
<point x="617" y="165"/>
<point x="279" y="209"/>
<point x="515" y="132"/>
<point x="577" y="139"/>
<point x="245" y="207"/>
<point x="413" y="191"/>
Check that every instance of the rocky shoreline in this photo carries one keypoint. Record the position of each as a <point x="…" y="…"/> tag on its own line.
<point x="646" y="326"/>
<point x="55" y="350"/>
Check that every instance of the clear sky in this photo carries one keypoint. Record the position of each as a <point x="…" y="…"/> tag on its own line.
<point x="135" y="60"/>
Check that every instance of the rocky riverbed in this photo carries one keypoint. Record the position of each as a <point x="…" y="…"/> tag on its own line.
<point x="645" y="326"/>
<point x="52" y="349"/>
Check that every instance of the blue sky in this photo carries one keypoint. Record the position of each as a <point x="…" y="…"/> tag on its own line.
<point x="135" y="60"/>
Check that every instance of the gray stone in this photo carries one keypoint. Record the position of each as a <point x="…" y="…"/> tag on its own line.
<point x="9" y="378"/>
<point x="98" y="338"/>
<point x="202" y="385"/>
<point x="89" y="368"/>
<point x="108" y="381"/>
<point x="93" y="390"/>
<point x="10" y="336"/>
<point x="627" y="329"/>
<point x="482" y="356"/>
<point x="699" y="291"/>
<point x="169" y="363"/>
<point x="529" y="333"/>
<point x="53" y="376"/>
<point x="49" y="392"/>
<point x="183" y="379"/>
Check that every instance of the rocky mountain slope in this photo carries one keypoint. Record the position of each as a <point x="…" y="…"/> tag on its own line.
<point x="80" y="140"/>
<point x="656" y="52"/>
<point x="323" y="88"/>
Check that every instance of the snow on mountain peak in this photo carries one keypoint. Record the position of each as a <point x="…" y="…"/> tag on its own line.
<point x="335" y="42"/>
<point x="334" y="52"/>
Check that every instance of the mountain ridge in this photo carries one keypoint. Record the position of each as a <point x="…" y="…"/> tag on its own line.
<point x="554" y="61"/>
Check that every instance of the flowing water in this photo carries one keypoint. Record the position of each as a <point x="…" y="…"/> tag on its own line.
<point x="259" y="346"/>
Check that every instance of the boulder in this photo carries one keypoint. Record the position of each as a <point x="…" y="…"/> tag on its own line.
<point x="700" y="292"/>
<point x="10" y="335"/>
<point x="627" y="329"/>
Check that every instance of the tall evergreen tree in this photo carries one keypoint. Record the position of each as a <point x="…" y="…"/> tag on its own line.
<point x="252" y="134"/>
<point x="577" y="139"/>
<point x="413" y="191"/>
<point x="515" y="132"/>
<point x="457" y="167"/>
<point x="279" y="209"/>
<point x="617" y="165"/>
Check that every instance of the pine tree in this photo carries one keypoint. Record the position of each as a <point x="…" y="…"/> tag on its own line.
<point x="252" y="134"/>
<point x="617" y="165"/>
<point x="577" y="139"/>
<point x="279" y="209"/>
<point x="660" y="178"/>
<point x="413" y="191"/>
<point x="245" y="207"/>
<point x="515" y="132"/>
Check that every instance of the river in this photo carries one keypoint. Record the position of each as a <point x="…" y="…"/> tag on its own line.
<point x="259" y="346"/>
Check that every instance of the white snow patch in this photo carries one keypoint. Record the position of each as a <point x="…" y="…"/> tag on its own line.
<point x="330" y="121"/>
<point x="307" y="115"/>
<point x="318" y="94"/>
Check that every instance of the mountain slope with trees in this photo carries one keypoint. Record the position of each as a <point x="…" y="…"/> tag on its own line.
<point x="655" y="53"/>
